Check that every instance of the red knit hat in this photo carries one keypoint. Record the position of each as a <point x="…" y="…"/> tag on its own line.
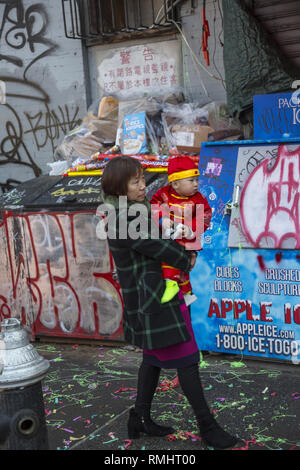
<point x="180" y="168"/>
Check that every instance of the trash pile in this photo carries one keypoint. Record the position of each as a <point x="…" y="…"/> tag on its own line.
<point x="151" y="129"/>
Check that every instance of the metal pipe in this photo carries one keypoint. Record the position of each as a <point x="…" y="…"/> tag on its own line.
<point x="72" y="19"/>
<point x="236" y="199"/>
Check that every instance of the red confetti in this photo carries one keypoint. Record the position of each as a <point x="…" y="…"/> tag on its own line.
<point x="124" y="389"/>
<point x="129" y="442"/>
<point x="246" y="447"/>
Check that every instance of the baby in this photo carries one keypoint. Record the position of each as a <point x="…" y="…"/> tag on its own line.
<point x="184" y="214"/>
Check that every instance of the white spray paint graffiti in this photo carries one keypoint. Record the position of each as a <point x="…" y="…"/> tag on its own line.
<point x="271" y="214"/>
<point x="60" y="275"/>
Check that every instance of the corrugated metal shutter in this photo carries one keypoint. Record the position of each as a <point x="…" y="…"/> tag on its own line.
<point x="281" y="19"/>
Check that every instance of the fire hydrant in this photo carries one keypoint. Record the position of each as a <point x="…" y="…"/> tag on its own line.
<point x="22" y="370"/>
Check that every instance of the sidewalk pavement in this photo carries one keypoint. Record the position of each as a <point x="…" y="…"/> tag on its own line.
<point x="89" y="390"/>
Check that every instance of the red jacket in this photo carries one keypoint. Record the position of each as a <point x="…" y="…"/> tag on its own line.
<point x="188" y="210"/>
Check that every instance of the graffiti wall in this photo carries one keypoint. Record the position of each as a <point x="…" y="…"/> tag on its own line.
<point x="43" y="94"/>
<point x="250" y="266"/>
<point x="57" y="275"/>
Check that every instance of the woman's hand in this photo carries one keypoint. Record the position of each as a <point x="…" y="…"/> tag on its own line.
<point x="193" y="259"/>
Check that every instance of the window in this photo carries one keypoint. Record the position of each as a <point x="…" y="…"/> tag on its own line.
<point x="103" y="21"/>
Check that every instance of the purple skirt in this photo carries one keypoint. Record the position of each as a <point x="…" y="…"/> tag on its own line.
<point x="178" y="355"/>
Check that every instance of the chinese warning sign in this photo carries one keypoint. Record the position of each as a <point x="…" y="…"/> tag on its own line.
<point x="138" y="70"/>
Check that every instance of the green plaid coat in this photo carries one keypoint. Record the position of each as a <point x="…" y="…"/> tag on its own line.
<point x="146" y="322"/>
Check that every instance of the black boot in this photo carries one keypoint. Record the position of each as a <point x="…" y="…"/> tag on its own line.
<point x="139" y="417"/>
<point x="213" y="435"/>
<point x="137" y="424"/>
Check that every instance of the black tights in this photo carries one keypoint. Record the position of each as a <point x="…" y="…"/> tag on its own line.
<point x="190" y="383"/>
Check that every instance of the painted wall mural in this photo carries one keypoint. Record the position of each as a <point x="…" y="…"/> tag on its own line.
<point x="270" y="215"/>
<point x="57" y="276"/>
<point x="250" y="266"/>
<point x="24" y="26"/>
<point x="32" y="127"/>
<point x="40" y="102"/>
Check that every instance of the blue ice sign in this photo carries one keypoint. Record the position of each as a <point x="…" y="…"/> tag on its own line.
<point x="248" y="292"/>
<point x="276" y="116"/>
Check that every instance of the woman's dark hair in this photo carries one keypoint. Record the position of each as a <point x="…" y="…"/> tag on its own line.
<point x="117" y="174"/>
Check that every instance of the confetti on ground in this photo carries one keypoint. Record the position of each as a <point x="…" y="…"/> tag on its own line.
<point x="87" y="390"/>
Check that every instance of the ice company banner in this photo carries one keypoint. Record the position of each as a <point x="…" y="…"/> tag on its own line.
<point x="249" y="296"/>
<point x="276" y="116"/>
